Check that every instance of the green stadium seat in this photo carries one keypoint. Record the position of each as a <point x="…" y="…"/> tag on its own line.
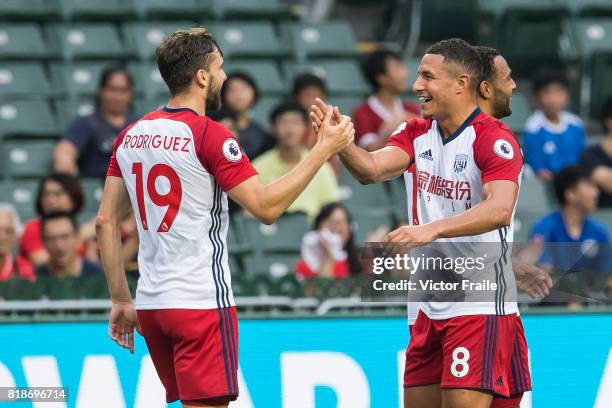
<point x="590" y="8"/>
<point x="604" y="215"/>
<point x="274" y="266"/>
<point x="69" y="109"/>
<point x="342" y="77"/>
<point x="236" y="244"/>
<point x="524" y="220"/>
<point x="172" y="10"/>
<point x="346" y="104"/>
<point x="329" y="39"/>
<point x="143" y="38"/>
<point x="87" y="41"/>
<point x="95" y="10"/>
<point x="77" y="79"/>
<point x="535" y="196"/>
<point x="265" y="74"/>
<point x="27" y="158"/>
<point x="23" y="79"/>
<point x="146" y="105"/>
<point x="22" y="41"/>
<point x="447" y="19"/>
<point x="21" y="289"/>
<point x="247" y="40"/>
<point x="399" y="199"/>
<point x="520" y="112"/>
<point x="22" y="195"/>
<point x="148" y="80"/>
<point x="412" y="64"/>
<point x="357" y="197"/>
<point x="249" y="9"/>
<point x="27" y="118"/>
<point x="261" y="111"/>
<point x="92" y="190"/>
<point x="28" y="10"/>
<point x="367" y="221"/>
<point x="282" y="237"/>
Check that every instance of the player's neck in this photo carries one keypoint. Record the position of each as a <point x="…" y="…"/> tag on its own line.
<point x="455" y="119"/>
<point x="486" y="106"/>
<point x="187" y="101"/>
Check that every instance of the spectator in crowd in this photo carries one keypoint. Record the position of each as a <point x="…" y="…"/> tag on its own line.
<point x="240" y="94"/>
<point x="87" y="145"/>
<point x="569" y="239"/>
<point x="60" y="235"/>
<point x="328" y="251"/>
<point x="598" y="160"/>
<point x="57" y="192"/>
<point x="383" y="111"/>
<point x="10" y="228"/>
<point x="554" y="137"/>
<point x="290" y="122"/>
<point x="226" y="117"/>
<point x="306" y="88"/>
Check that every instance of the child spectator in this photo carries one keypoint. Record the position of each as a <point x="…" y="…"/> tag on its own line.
<point x="570" y="238"/>
<point x="290" y="123"/>
<point x="328" y="251"/>
<point x="378" y="117"/>
<point x="598" y="160"/>
<point x="87" y="145"/>
<point x="554" y="137"/>
<point x="60" y="236"/>
<point x="240" y="94"/>
<point x="11" y="265"/>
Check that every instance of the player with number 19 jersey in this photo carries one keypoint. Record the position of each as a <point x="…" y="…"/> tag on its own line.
<point x="176" y="166"/>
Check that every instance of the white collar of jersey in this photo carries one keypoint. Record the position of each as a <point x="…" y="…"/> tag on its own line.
<point x="380" y="110"/>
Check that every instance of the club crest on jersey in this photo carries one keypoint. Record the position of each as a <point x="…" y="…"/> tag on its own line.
<point x="460" y="163"/>
<point x="503" y="149"/>
<point x="231" y="150"/>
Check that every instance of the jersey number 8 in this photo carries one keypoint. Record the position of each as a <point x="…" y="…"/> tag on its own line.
<point x="172" y="199"/>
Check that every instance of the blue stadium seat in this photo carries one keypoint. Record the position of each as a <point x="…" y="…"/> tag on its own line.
<point x="172" y="10"/>
<point x="143" y="38"/>
<point x="329" y="39"/>
<point x="22" y="41"/>
<point x="27" y="118"/>
<point x="26" y="158"/>
<point x="342" y="77"/>
<point x="247" y="40"/>
<point x="265" y="74"/>
<point x="77" y="79"/>
<point x="23" y="79"/>
<point x="87" y="41"/>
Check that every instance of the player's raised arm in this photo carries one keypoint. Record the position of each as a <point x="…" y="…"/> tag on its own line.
<point x="116" y="206"/>
<point x="268" y="202"/>
<point x="367" y="167"/>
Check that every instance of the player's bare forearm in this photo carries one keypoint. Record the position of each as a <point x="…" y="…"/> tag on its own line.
<point x="494" y="211"/>
<point x="114" y="207"/>
<point x="373" y="167"/>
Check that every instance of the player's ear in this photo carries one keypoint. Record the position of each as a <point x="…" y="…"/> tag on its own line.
<point x="202" y="78"/>
<point x="485" y="90"/>
<point x="463" y="83"/>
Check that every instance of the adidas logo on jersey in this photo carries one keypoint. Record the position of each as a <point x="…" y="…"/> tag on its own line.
<point x="499" y="381"/>
<point x="426" y="155"/>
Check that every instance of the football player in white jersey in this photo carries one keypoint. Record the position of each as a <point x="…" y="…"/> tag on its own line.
<point x="175" y="168"/>
<point x="459" y="354"/>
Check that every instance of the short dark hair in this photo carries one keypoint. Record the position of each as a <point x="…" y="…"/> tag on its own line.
<point x="547" y="76"/>
<point x="182" y="54"/>
<point x="568" y="178"/>
<point x="606" y="113"/>
<point x="244" y="77"/>
<point x="487" y="55"/>
<point x="222" y="113"/>
<point x="459" y="52"/>
<point x="307" y="80"/>
<point x="60" y="215"/>
<point x="70" y="184"/>
<point x="375" y="64"/>
<point x="288" y="106"/>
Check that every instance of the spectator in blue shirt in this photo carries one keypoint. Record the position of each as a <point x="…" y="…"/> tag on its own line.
<point x="554" y="137"/>
<point x="571" y="240"/>
<point x="87" y="145"/>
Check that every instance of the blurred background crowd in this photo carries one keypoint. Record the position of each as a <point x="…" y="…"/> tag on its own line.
<point x="73" y="73"/>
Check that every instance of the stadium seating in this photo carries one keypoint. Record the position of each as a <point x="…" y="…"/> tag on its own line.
<point x="21" y="194"/>
<point x="274" y="266"/>
<point x="22" y="41"/>
<point x="143" y="38"/>
<point x="524" y="219"/>
<point x="334" y="39"/>
<point x="535" y="196"/>
<point x="282" y="237"/>
<point x="365" y="222"/>
<point x="27" y="118"/>
<point x="263" y="108"/>
<point x="397" y="193"/>
<point x="23" y="79"/>
<point x="265" y="74"/>
<point x="92" y="190"/>
<point x="77" y="79"/>
<point x="69" y="109"/>
<point x="520" y="112"/>
<point x="448" y="18"/>
<point x="95" y="10"/>
<point x="248" y="9"/>
<point x="604" y="215"/>
<point x="143" y="106"/>
<point x="87" y="41"/>
<point x="342" y="77"/>
<point x="29" y="10"/>
<point x="247" y="40"/>
<point x="172" y="10"/>
<point x="356" y="197"/>
<point x="27" y="158"/>
<point x="148" y="81"/>
<point x="589" y="8"/>
<point x="346" y="104"/>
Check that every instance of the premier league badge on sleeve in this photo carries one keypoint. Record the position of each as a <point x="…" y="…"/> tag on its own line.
<point x="460" y="163"/>
<point x="231" y="151"/>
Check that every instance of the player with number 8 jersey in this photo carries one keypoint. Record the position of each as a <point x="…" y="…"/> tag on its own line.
<point x="176" y="167"/>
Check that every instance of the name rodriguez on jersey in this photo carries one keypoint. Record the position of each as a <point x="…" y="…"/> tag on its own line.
<point x="172" y="143"/>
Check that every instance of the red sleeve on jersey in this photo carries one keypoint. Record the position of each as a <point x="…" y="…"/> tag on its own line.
<point x="497" y="153"/>
<point x="222" y="156"/>
<point x="113" y="166"/>
<point x="403" y="137"/>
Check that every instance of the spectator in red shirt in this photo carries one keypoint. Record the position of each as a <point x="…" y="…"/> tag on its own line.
<point x="383" y="111"/>
<point x="328" y="251"/>
<point x="57" y="192"/>
<point x="11" y="266"/>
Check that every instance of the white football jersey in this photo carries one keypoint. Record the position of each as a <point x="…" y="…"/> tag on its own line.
<point x="449" y="174"/>
<point x="176" y="166"/>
